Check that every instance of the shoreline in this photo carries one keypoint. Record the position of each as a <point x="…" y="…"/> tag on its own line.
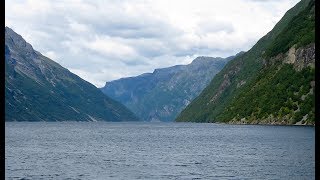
<point x="147" y="122"/>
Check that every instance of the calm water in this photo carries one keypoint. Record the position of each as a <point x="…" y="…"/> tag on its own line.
<point x="99" y="150"/>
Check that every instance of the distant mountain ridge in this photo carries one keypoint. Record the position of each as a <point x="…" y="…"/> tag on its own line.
<point x="161" y="95"/>
<point x="272" y="83"/>
<point x="39" y="89"/>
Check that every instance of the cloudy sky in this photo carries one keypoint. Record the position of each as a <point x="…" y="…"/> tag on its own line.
<point x="103" y="40"/>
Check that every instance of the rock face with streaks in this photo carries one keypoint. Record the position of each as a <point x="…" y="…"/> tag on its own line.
<point x="39" y="89"/>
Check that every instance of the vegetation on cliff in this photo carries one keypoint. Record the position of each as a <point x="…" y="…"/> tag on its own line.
<point x="273" y="80"/>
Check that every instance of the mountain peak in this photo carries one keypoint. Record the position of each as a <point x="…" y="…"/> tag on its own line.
<point x="14" y="39"/>
<point x="201" y="59"/>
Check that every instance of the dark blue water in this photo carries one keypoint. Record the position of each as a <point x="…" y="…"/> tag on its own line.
<point x="99" y="150"/>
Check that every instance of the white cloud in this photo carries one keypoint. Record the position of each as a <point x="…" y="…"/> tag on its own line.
<point x="104" y="40"/>
<point x="51" y="55"/>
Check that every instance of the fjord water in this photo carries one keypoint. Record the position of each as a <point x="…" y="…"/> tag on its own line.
<point x="101" y="150"/>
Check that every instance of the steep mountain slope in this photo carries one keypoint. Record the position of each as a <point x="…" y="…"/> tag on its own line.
<point x="272" y="83"/>
<point x="39" y="89"/>
<point x="161" y="95"/>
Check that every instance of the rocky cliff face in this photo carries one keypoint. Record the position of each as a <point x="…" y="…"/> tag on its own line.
<point x="39" y="89"/>
<point x="161" y="95"/>
<point x="301" y="58"/>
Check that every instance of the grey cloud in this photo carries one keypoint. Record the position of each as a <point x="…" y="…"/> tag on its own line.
<point x="127" y="27"/>
<point x="134" y="62"/>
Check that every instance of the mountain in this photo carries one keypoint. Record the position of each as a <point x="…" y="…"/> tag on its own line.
<point x="272" y="83"/>
<point x="161" y="95"/>
<point x="39" y="89"/>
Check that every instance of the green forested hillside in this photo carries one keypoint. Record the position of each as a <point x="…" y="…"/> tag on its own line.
<point x="272" y="83"/>
<point x="300" y="31"/>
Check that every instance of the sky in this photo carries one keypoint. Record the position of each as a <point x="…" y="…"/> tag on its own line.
<point x="104" y="40"/>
